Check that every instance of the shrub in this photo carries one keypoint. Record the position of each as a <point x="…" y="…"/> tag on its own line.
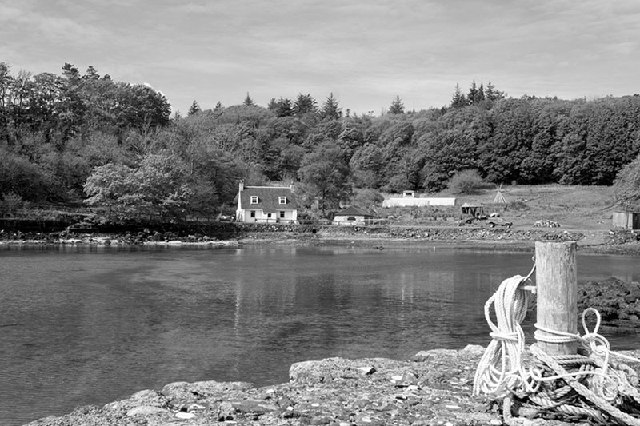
<point x="11" y="202"/>
<point x="465" y="182"/>
<point x="626" y="188"/>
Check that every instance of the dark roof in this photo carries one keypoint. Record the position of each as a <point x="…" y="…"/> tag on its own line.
<point x="352" y="211"/>
<point x="268" y="198"/>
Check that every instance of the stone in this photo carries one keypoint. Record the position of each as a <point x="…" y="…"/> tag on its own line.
<point x="185" y="416"/>
<point x="146" y="410"/>
<point x="366" y="370"/>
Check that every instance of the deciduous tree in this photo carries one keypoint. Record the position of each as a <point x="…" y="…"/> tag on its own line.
<point x="626" y="188"/>
<point x="324" y="175"/>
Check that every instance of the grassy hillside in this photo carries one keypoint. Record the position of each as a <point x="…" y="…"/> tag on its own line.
<point x="574" y="207"/>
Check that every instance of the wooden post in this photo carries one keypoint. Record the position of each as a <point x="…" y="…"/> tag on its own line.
<point x="557" y="287"/>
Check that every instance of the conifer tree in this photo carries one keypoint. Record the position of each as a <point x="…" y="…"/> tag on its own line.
<point x="194" y="109"/>
<point x="397" y="107"/>
<point x="248" y="101"/>
<point x="330" y="109"/>
<point x="459" y="99"/>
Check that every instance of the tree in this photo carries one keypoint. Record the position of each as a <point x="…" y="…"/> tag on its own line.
<point x="154" y="188"/>
<point x="70" y="72"/>
<point x="366" y="164"/>
<point x="476" y="94"/>
<point x="368" y="199"/>
<point x="91" y="74"/>
<point x="304" y="104"/>
<point x="626" y="188"/>
<point x="324" y="176"/>
<point x="397" y="107"/>
<point x="194" y="109"/>
<point x="248" y="101"/>
<point x="491" y="94"/>
<point x="330" y="109"/>
<point x="459" y="100"/>
<point x="465" y="182"/>
<point x="281" y="107"/>
<point x="21" y="177"/>
<point x="107" y="184"/>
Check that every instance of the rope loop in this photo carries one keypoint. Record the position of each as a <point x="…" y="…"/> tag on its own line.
<point x="552" y="383"/>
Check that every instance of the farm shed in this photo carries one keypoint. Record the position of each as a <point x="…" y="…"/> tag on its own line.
<point x="351" y="216"/>
<point x="626" y="220"/>
<point x="472" y="209"/>
<point x="407" y="200"/>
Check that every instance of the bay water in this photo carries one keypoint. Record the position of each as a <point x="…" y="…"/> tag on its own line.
<point x="89" y="325"/>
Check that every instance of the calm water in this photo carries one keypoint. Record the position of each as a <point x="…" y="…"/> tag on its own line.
<point x="88" y="326"/>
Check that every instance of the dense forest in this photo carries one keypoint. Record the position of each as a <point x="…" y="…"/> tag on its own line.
<point x="84" y="139"/>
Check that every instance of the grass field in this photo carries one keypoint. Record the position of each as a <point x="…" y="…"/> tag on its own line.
<point x="574" y="208"/>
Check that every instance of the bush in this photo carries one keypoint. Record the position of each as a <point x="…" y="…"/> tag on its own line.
<point x="10" y="202"/>
<point x="367" y="198"/>
<point x="465" y="182"/>
<point x="626" y="188"/>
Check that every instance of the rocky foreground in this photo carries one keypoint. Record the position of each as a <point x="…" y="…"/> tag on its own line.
<point x="434" y="388"/>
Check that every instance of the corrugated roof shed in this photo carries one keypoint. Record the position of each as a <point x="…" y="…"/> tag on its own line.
<point x="268" y="198"/>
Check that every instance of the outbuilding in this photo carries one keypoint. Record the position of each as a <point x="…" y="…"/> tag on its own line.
<point x="352" y="216"/>
<point x="626" y="220"/>
<point x="472" y="209"/>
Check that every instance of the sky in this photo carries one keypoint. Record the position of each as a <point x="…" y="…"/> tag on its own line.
<point x="365" y="52"/>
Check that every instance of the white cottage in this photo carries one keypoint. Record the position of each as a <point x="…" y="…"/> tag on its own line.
<point x="267" y="204"/>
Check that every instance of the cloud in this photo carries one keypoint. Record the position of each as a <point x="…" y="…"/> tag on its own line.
<point x="367" y="51"/>
<point x="30" y="25"/>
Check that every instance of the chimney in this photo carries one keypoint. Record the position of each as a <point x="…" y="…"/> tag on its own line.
<point x="241" y="186"/>
<point x="292" y="187"/>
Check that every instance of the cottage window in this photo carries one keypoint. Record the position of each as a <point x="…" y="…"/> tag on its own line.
<point x="282" y="200"/>
<point x="281" y="214"/>
<point x="351" y="218"/>
<point x="252" y="213"/>
<point x="254" y="199"/>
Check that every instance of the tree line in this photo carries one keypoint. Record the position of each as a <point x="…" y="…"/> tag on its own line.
<point x="81" y="137"/>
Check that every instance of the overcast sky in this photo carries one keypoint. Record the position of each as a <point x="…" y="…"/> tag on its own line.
<point x="366" y="52"/>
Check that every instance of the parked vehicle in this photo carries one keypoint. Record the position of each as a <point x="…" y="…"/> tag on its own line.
<point x="498" y="221"/>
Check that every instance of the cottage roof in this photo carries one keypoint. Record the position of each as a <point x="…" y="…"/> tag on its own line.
<point x="352" y="211"/>
<point x="268" y="198"/>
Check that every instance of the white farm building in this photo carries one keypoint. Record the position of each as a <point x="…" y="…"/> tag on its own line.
<point x="410" y="199"/>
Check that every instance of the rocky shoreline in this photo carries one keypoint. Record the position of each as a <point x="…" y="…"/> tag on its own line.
<point x="433" y="388"/>
<point x="611" y="242"/>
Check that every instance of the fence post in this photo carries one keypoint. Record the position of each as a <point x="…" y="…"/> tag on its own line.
<point x="557" y="287"/>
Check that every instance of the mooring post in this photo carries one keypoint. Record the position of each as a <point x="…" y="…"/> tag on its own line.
<point x="557" y="288"/>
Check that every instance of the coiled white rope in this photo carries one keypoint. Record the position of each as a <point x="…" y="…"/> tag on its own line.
<point x="501" y="371"/>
